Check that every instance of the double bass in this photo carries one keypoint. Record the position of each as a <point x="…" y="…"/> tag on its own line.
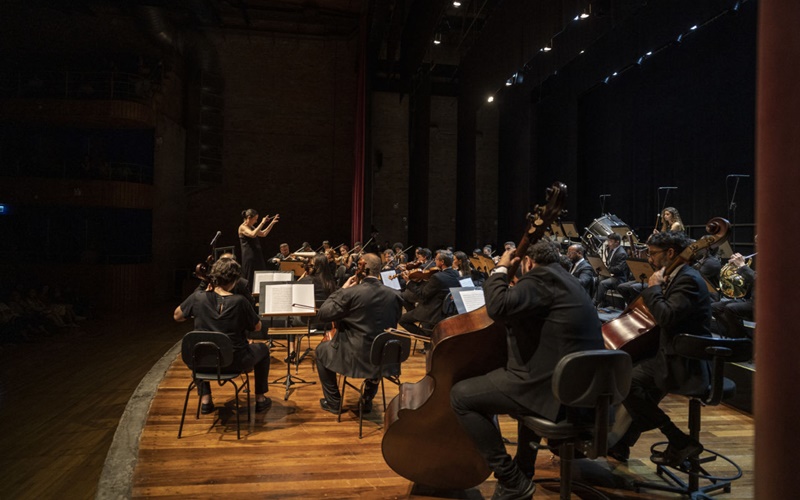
<point x="634" y="330"/>
<point x="423" y="440"/>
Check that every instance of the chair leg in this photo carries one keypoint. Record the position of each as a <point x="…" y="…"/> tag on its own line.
<point x="185" y="404"/>
<point x="236" y="403"/>
<point x="383" y="395"/>
<point x="567" y="453"/>
<point x="341" y="398"/>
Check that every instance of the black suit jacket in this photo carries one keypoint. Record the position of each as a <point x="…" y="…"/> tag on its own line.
<point x="618" y="264"/>
<point x="361" y="312"/>
<point x="682" y="306"/>
<point x="584" y="272"/>
<point x="431" y="294"/>
<point x="549" y="316"/>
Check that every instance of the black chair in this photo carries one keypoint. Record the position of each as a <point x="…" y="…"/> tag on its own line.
<point x="596" y="380"/>
<point x="388" y="352"/>
<point x="718" y="351"/>
<point x="209" y="355"/>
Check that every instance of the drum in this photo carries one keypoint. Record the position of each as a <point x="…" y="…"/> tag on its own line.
<point x="602" y="226"/>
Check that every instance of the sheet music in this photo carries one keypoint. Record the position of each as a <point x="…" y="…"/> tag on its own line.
<point x="391" y="283"/>
<point x="473" y="299"/>
<point x="286" y="298"/>
<point x="467" y="282"/>
<point x="270" y="276"/>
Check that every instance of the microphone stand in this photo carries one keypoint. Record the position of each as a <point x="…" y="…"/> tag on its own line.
<point x="732" y="208"/>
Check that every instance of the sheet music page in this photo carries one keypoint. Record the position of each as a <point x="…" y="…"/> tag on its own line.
<point x="277" y="299"/>
<point x="269" y="276"/>
<point x="467" y="282"/>
<point x="303" y="297"/>
<point x="473" y="299"/>
<point x="393" y="284"/>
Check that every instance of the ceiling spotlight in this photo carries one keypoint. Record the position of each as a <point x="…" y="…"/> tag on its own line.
<point x="437" y="39"/>
<point x="584" y="15"/>
<point x="649" y="53"/>
<point x="693" y="27"/>
<point x="490" y="99"/>
<point x="456" y="4"/>
<point x="547" y="48"/>
<point x="509" y="82"/>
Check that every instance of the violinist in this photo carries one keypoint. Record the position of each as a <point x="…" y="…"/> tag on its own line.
<point x="680" y="303"/>
<point x="463" y="266"/>
<point x="548" y="315"/>
<point x="421" y="261"/>
<point x="283" y="254"/>
<point x="249" y="233"/>
<point x="431" y="295"/>
<point x="387" y="260"/>
<point x="400" y="255"/>
<point x="361" y="311"/>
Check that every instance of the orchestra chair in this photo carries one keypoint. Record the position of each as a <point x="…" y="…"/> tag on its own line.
<point x="388" y="352"/>
<point x="209" y="355"/>
<point x="595" y="379"/>
<point x="718" y="351"/>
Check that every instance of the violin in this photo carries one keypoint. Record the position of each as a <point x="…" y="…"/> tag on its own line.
<point x="418" y="275"/>
<point x="361" y="273"/>
<point x="423" y="440"/>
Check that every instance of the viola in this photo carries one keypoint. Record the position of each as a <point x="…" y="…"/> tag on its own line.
<point x="423" y="440"/>
<point x="635" y="330"/>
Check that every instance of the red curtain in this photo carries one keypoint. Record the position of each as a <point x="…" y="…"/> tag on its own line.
<point x="357" y="211"/>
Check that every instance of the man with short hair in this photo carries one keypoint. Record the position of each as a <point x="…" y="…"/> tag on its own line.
<point x="616" y="260"/>
<point x="282" y="255"/>
<point x="680" y="303"/>
<point x="548" y="316"/>
<point x="431" y="295"/>
<point x="581" y="268"/>
<point x="361" y="311"/>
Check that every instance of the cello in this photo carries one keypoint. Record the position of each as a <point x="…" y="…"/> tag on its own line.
<point x="634" y="330"/>
<point x="423" y="440"/>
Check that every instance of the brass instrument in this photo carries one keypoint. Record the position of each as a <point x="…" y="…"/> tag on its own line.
<point x="731" y="283"/>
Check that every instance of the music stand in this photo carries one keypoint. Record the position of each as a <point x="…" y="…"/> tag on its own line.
<point x="570" y="231"/>
<point x="724" y="251"/>
<point x="222" y="250"/>
<point x="599" y="267"/>
<point x="482" y="264"/>
<point x="641" y="270"/>
<point x="292" y="265"/>
<point x="289" y="309"/>
<point x="557" y="230"/>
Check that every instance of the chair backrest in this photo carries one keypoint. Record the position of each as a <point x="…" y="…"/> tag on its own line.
<point x="718" y="351"/>
<point x="581" y="378"/>
<point x="593" y="379"/>
<point x="206" y="351"/>
<point x="389" y="350"/>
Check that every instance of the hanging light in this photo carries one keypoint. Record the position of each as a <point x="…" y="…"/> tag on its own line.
<point x="437" y="39"/>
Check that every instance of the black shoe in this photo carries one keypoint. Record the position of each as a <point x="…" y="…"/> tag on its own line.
<point x="207" y="408"/>
<point x="263" y="405"/>
<point x="291" y="358"/>
<point x="332" y="407"/>
<point x="522" y="490"/>
<point x="620" y="452"/>
<point x="674" y="456"/>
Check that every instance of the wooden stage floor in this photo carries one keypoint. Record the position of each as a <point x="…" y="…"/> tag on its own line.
<point x="297" y="450"/>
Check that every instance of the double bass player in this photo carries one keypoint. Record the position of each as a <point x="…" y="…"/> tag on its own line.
<point x="549" y="316"/>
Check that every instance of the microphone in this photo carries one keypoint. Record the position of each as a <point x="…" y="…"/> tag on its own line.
<point x="219" y="233"/>
<point x="668" y="187"/>
<point x="737" y="175"/>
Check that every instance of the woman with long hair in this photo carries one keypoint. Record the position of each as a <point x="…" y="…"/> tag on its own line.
<point x="671" y="220"/>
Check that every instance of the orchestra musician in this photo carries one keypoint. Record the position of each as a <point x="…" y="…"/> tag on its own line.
<point x="431" y="295"/>
<point x="361" y="311"/>
<point x="283" y="254"/>
<point x="671" y="220"/>
<point x="616" y="260"/>
<point x="221" y="310"/>
<point x="400" y="255"/>
<point x="422" y="261"/>
<point x="679" y="303"/>
<point x="730" y="313"/>
<point x="249" y="234"/>
<point x="581" y="268"/>
<point x="548" y="316"/>
<point x="462" y="264"/>
<point x="388" y="262"/>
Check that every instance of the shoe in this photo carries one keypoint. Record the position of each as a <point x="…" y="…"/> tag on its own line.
<point x="674" y="456"/>
<point x="523" y="490"/>
<point x="329" y="406"/>
<point x="366" y="407"/>
<point x="263" y="405"/>
<point x="291" y="358"/>
<point x="620" y="452"/>
<point x="207" y="408"/>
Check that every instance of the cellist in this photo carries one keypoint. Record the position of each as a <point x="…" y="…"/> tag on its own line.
<point x="549" y="315"/>
<point x="680" y="303"/>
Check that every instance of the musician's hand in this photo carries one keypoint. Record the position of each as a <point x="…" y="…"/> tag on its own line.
<point x="351" y="281"/>
<point x="657" y="278"/>
<point x="737" y="260"/>
<point x="507" y="258"/>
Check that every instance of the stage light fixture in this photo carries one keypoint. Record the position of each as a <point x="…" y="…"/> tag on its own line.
<point x="437" y="39"/>
<point x="456" y="4"/>
<point x="490" y="99"/>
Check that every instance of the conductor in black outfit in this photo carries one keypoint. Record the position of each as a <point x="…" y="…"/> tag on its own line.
<point x="361" y="311"/>
<point x="431" y="295"/>
<point x="549" y="316"/>
<point x="680" y="303"/>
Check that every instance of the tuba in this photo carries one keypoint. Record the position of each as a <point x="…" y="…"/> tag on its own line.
<point x="731" y="283"/>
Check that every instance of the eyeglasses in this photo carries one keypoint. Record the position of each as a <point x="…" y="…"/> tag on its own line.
<point x="655" y="252"/>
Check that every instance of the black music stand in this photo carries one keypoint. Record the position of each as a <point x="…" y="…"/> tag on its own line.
<point x="598" y="265"/>
<point x="570" y="231"/>
<point x="641" y="270"/>
<point x="288" y="305"/>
